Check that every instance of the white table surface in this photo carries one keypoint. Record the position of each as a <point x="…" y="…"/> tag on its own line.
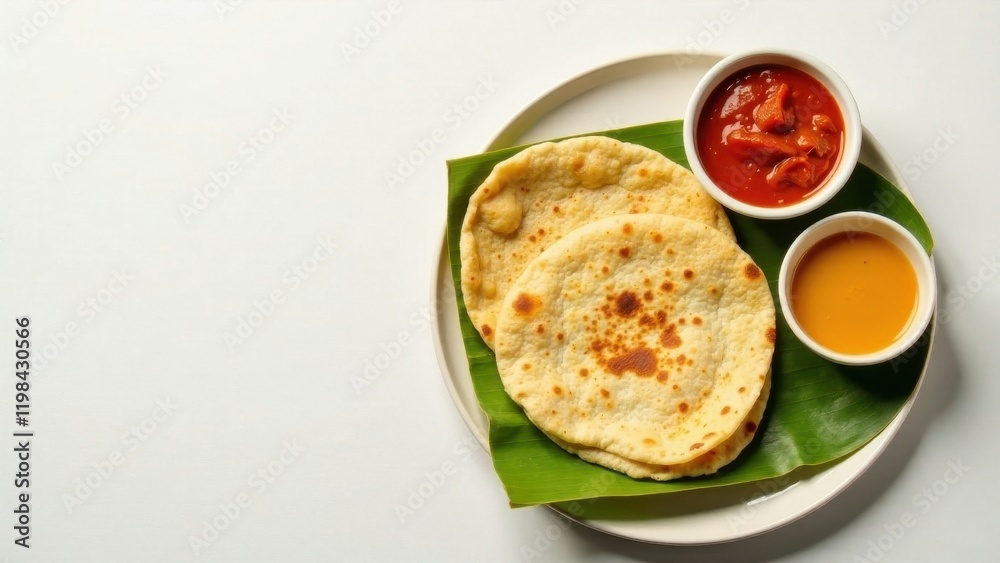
<point x="131" y="295"/>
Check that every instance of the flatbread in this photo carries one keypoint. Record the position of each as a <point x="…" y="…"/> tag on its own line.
<point x="542" y="193"/>
<point x="706" y="464"/>
<point x="646" y="336"/>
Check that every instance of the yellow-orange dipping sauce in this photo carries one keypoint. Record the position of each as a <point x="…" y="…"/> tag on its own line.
<point x="854" y="292"/>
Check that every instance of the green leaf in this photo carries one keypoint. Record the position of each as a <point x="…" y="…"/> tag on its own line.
<point x="818" y="412"/>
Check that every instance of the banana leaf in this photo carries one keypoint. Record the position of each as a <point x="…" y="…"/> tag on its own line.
<point x="818" y="411"/>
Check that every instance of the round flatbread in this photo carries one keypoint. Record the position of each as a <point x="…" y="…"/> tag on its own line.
<point x="537" y="196"/>
<point x="646" y="336"/>
<point x="706" y="464"/>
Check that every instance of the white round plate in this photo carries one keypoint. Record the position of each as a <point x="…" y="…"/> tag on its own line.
<point x="633" y="92"/>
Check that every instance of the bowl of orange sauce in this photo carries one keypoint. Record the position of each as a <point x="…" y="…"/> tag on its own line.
<point x="857" y="288"/>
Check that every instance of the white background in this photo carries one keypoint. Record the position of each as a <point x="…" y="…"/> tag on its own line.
<point x="347" y="457"/>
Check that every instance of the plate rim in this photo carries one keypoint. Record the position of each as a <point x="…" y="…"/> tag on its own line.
<point x="562" y="92"/>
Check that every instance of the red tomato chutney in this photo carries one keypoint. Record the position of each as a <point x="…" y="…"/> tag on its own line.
<point x="770" y="135"/>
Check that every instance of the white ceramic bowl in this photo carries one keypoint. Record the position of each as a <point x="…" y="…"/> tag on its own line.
<point x="893" y="232"/>
<point x="811" y="66"/>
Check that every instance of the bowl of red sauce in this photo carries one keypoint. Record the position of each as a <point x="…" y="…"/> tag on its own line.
<point x="857" y="288"/>
<point x="772" y="134"/>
